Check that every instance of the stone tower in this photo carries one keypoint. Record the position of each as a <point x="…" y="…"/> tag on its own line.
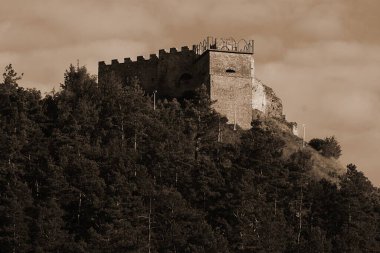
<point x="230" y="66"/>
<point x="225" y="66"/>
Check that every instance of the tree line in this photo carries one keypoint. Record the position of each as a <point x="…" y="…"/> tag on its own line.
<point x="95" y="168"/>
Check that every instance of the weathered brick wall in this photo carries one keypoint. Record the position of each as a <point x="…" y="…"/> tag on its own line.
<point x="231" y="86"/>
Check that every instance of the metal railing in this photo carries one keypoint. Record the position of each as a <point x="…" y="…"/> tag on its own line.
<point x="224" y="44"/>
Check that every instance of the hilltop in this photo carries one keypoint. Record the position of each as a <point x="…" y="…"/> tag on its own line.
<point x="96" y="167"/>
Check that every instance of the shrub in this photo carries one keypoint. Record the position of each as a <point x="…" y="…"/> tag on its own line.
<point x="328" y="147"/>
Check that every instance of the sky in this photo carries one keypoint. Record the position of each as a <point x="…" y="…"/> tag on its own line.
<point x="322" y="58"/>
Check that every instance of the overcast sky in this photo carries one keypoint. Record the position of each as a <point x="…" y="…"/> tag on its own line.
<point x="322" y="58"/>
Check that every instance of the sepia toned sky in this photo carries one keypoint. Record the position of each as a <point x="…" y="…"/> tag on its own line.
<point x="322" y="58"/>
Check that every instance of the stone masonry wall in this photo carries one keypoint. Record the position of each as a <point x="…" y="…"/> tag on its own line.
<point x="228" y="75"/>
<point x="231" y="86"/>
<point x="170" y="73"/>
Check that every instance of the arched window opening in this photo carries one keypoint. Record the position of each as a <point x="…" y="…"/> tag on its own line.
<point x="230" y="70"/>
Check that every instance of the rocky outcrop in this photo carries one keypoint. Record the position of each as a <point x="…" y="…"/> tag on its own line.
<point x="265" y="102"/>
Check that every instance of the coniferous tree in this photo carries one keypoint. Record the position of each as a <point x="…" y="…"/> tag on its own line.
<point x="96" y="168"/>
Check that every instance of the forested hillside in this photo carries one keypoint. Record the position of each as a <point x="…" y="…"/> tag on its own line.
<point x="94" y="168"/>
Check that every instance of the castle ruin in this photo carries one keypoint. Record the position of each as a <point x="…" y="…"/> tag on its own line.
<point x="225" y="66"/>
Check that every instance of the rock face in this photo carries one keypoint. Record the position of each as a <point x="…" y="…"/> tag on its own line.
<point x="265" y="102"/>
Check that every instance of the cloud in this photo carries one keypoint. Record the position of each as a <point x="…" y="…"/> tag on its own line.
<point x="321" y="21"/>
<point x="361" y="20"/>
<point x="321" y="57"/>
<point x="333" y="87"/>
<point x="49" y="64"/>
<point x="53" y="24"/>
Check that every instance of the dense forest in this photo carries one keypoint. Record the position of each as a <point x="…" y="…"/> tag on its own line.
<point x="95" y="168"/>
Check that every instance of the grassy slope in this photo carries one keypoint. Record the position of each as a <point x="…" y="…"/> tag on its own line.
<point x="322" y="167"/>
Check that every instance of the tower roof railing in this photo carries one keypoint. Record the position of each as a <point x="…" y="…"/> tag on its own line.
<point x="224" y="44"/>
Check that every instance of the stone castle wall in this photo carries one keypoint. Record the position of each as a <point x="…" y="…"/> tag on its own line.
<point x="227" y="71"/>
<point x="170" y="73"/>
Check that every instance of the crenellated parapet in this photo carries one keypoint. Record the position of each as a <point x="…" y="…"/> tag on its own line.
<point x="153" y="58"/>
<point x="160" y="71"/>
<point x="210" y="43"/>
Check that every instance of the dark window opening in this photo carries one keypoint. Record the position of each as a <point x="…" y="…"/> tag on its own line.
<point x="230" y="71"/>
